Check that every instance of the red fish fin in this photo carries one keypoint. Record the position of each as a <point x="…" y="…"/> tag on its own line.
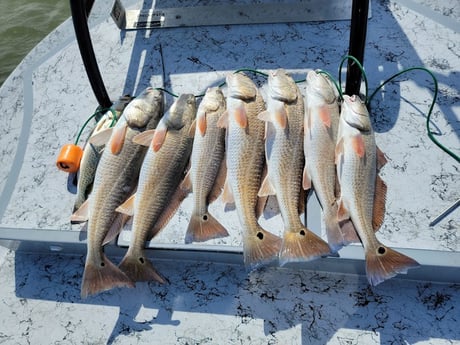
<point x="381" y="159"/>
<point x="170" y="210"/>
<point x="118" y="139"/>
<point x="201" y="124"/>
<point x="139" y="268"/>
<point x="204" y="227"/>
<point x="266" y="188"/>
<point x="241" y="117"/>
<point x="186" y="183"/>
<point x="116" y="227"/>
<point x="260" y="248"/>
<point x="227" y="195"/>
<point x="338" y="151"/>
<point x="306" y="180"/>
<point x="260" y="205"/>
<point x="302" y="245"/>
<point x="144" y="138"/>
<point x="127" y="208"/>
<point x="103" y="277"/>
<point x="101" y="138"/>
<point x="158" y="138"/>
<point x="379" y="203"/>
<point x="342" y="212"/>
<point x="349" y="233"/>
<point x="357" y="142"/>
<point x="385" y="263"/>
<point x="82" y="214"/>
<point x="219" y="182"/>
<point x="325" y="116"/>
<point x="281" y="117"/>
<point x="223" y="120"/>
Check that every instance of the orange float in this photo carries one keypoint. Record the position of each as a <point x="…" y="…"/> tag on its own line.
<point x="69" y="158"/>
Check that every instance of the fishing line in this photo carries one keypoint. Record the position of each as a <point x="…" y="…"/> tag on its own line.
<point x="333" y="80"/>
<point x="430" y="111"/>
<point x="98" y="112"/>
<point x="363" y="73"/>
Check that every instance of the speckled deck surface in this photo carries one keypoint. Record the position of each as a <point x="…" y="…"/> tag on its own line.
<point x="207" y="303"/>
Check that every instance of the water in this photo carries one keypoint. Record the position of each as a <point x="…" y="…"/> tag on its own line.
<point x="23" y="24"/>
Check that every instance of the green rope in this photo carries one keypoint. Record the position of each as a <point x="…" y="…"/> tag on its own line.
<point x="98" y="112"/>
<point x="363" y="73"/>
<point x="430" y="111"/>
<point x="333" y="80"/>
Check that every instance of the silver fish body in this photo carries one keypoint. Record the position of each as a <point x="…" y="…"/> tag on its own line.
<point x="321" y="127"/>
<point x="285" y="162"/>
<point x="161" y="173"/>
<point x="92" y="152"/>
<point x="206" y="166"/>
<point x="356" y="157"/>
<point x="245" y="162"/>
<point x="115" y="179"/>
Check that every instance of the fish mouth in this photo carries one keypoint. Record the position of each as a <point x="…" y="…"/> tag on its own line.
<point x="357" y="114"/>
<point x="321" y="86"/>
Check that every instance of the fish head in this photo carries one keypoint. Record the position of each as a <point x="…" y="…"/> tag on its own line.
<point x="143" y="108"/>
<point x="282" y="87"/>
<point x="319" y="84"/>
<point x="182" y="111"/>
<point x="355" y="113"/>
<point x="213" y="99"/>
<point x="240" y="86"/>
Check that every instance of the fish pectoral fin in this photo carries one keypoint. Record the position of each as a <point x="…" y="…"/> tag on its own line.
<point x="306" y="180"/>
<point x="82" y="214"/>
<point x="101" y="138"/>
<point x="266" y="188"/>
<point x="223" y="120"/>
<point x="201" y="123"/>
<point x="281" y="117"/>
<point x="127" y="207"/>
<point x="357" y="143"/>
<point x="118" y="139"/>
<point x="144" y="138"/>
<point x="241" y="117"/>
<point x="379" y="203"/>
<point x="325" y="116"/>
<point x="158" y="138"/>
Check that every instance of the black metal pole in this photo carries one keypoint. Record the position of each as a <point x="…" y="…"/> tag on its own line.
<point x="359" y="13"/>
<point x="80" y="10"/>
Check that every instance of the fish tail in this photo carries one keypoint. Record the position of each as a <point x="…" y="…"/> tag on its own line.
<point x="385" y="263"/>
<point x="302" y="245"/>
<point x="203" y="227"/>
<point x="103" y="277"/>
<point x="139" y="268"/>
<point x="261" y="248"/>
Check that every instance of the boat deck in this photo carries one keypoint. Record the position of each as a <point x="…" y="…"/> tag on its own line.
<point x="211" y="298"/>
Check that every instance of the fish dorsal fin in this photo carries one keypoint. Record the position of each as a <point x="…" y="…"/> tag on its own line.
<point x="260" y="206"/>
<point x="101" y="138"/>
<point x="325" y="116"/>
<point x="159" y="137"/>
<point x="306" y="180"/>
<point x="240" y="116"/>
<point x="116" y="227"/>
<point x="223" y="120"/>
<point x="127" y="207"/>
<point x="201" y="123"/>
<point x="219" y="182"/>
<point x="357" y="143"/>
<point x="380" y="196"/>
<point x="227" y="195"/>
<point x="144" y="138"/>
<point x="82" y="214"/>
<point x="118" y="139"/>
<point x="186" y="183"/>
<point x="266" y="188"/>
<point x="381" y="159"/>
